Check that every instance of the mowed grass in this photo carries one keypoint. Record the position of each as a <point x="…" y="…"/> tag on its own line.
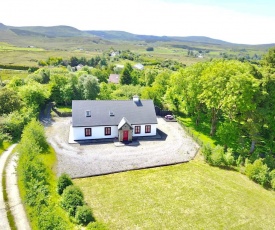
<point x="8" y="74"/>
<point x="186" y="196"/>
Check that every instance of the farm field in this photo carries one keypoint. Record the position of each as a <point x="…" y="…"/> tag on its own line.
<point x="186" y="196"/>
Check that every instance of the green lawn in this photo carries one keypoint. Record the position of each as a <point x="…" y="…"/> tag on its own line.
<point x="200" y="133"/>
<point x="186" y="196"/>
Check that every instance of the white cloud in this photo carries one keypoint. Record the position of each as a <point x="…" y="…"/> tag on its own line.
<point x="153" y="17"/>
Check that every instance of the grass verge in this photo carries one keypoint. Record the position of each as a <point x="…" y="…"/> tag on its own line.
<point x="6" y="199"/>
<point x="4" y="146"/>
<point x="199" y="134"/>
<point x="185" y="196"/>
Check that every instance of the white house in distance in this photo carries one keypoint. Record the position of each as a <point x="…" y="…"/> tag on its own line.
<point x="122" y="119"/>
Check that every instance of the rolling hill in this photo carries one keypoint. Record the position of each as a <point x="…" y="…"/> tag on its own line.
<point x="70" y="32"/>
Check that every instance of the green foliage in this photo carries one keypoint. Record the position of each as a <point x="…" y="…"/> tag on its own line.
<point x="34" y="94"/>
<point x="10" y="101"/>
<point x="126" y="92"/>
<point x="88" y="87"/>
<point x="126" y="75"/>
<point x="150" y="49"/>
<point x="269" y="58"/>
<point x="84" y="215"/>
<point x="63" y="182"/>
<point x="228" y="157"/>
<point x="34" y="132"/>
<point x="217" y="156"/>
<point x="54" y="61"/>
<point x="71" y="198"/>
<point x="272" y="179"/>
<point x="207" y="151"/>
<point x="36" y="180"/>
<point x="13" y="123"/>
<point x="258" y="172"/>
<point x="51" y="219"/>
<point x="4" y="137"/>
<point x="96" y="226"/>
<point x="228" y="133"/>
<point x="102" y="75"/>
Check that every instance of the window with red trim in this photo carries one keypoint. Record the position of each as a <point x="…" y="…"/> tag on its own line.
<point x="147" y="128"/>
<point x="137" y="129"/>
<point x="107" y="131"/>
<point x="88" y="132"/>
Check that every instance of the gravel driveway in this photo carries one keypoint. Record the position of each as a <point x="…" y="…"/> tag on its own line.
<point x="103" y="158"/>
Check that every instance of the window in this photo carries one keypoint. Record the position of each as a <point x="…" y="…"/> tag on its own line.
<point x="107" y="131"/>
<point x="88" y="132"/>
<point x="88" y="113"/>
<point x="137" y="129"/>
<point x="147" y="128"/>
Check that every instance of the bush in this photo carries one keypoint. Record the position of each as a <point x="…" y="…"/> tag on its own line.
<point x="84" y="215"/>
<point x="150" y="49"/>
<point x="63" y="182"/>
<point x="71" y="198"/>
<point x="217" y="156"/>
<point x="206" y="151"/>
<point x="96" y="226"/>
<point x="272" y="179"/>
<point x="258" y="172"/>
<point x="51" y="220"/>
<point x="228" y="158"/>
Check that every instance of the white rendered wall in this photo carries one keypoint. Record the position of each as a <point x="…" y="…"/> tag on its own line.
<point x="142" y="130"/>
<point x="97" y="133"/>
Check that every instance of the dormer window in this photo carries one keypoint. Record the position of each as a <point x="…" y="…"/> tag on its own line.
<point x="88" y="113"/>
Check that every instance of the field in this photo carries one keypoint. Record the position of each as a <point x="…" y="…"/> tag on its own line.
<point x="186" y="196"/>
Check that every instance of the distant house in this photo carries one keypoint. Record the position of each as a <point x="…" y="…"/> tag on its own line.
<point x="114" y="78"/>
<point x="79" y="67"/>
<point x="114" y="53"/>
<point x="95" y="119"/>
<point x="139" y="66"/>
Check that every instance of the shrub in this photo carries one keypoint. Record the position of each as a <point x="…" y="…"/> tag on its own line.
<point x="71" y="198"/>
<point x="217" y="156"/>
<point x="96" y="226"/>
<point x="272" y="179"/>
<point x="51" y="220"/>
<point x="228" y="158"/>
<point x="84" y="215"/>
<point x="150" y="49"/>
<point x="206" y="151"/>
<point x="258" y="171"/>
<point x="63" y="182"/>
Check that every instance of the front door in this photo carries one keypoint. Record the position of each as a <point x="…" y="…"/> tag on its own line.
<point x="125" y="135"/>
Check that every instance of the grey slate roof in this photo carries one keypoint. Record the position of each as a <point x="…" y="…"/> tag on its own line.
<point x="136" y="113"/>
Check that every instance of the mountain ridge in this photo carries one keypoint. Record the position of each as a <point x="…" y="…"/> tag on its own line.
<point x="69" y="31"/>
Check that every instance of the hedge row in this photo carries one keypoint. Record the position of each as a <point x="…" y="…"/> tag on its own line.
<point x="73" y="202"/>
<point x="36" y="180"/>
<point x="18" y="67"/>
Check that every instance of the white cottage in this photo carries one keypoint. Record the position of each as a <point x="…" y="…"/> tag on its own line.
<point x="95" y="119"/>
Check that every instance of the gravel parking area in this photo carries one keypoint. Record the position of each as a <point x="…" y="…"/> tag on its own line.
<point x="83" y="160"/>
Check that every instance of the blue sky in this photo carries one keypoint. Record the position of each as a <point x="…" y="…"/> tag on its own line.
<point x="238" y="21"/>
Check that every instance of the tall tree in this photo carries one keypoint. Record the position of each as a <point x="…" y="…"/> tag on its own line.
<point x="125" y="77"/>
<point x="88" y="86"/>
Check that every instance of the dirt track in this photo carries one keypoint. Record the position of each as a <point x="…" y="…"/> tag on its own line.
<point x="96" y="159"/>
